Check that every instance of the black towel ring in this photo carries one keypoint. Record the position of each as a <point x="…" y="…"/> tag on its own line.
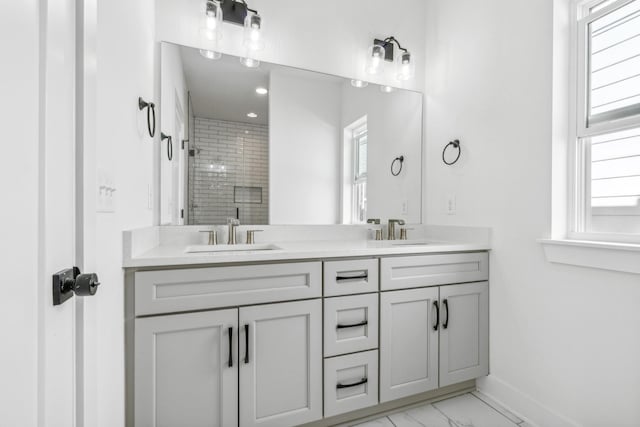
<point x="455" y="144"/>
<point x="151" y="114"/>
<point x="397" y="159"/>
<point x="169" y="144"/>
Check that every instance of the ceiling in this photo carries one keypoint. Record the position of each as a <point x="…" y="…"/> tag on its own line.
<point x="224" y="89"/>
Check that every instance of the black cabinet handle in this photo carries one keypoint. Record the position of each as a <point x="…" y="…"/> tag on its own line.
<point x="230" y="346"/>
<point x="353" y="325"/>
<point x="246" y="343"/>
<point x="437" y="307"/>
<point x="364" y="276"/>
<point x="362" y="381"/>
<point x="445" y="323"/>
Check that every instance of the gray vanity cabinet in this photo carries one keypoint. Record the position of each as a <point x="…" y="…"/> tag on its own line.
<point x="186" y="370"/>
<point x="464" y="332"/>
<point x="281" y="364"/>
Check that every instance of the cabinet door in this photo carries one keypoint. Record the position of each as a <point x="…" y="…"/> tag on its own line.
<point x="464" y="332"/>
<point x="186" y="370"/>
<point x="408" y="343"/>
<point x="281" y="364"/>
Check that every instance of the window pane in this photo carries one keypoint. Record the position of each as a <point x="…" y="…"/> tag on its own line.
<point x="615" y="169"/>
<point x="362" y="155"/>
<point x="614" y="60"/>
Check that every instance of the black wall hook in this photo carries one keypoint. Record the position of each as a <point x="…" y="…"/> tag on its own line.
<point x="151" y="114"/>
<point x="169" y="144"/>
<point x="456" y="145"/>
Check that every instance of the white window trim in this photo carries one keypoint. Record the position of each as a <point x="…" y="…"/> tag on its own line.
<point x="606" y="251"/>
<point x="579" y="210"/>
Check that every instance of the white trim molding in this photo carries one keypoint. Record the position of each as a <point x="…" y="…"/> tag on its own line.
<point x="520" y="404"/>
<point x="623" y="257"/>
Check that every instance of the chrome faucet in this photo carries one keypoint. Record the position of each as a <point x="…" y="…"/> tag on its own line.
<point x="232" y="224"/>
<point x="392" y="228"/>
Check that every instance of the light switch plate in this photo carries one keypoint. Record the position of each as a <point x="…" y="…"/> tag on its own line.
<point x="105" y="195"/>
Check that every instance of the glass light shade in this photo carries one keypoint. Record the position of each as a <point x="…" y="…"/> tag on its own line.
<point x="375" y="59"/>
<point x="253" y="36"/>
<point x="212" y="22"/>
<point x="359" y="83"/>
<point x="405" y="67"/>
<point x="250" y="62"/>
<point x="387" y="89"/>
<point x="210" y="54"/>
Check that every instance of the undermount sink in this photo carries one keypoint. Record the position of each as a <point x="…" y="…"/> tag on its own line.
<point x="230" y="248"/>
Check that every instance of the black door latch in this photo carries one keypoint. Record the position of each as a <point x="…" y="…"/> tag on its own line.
<point x="70" y="281"/>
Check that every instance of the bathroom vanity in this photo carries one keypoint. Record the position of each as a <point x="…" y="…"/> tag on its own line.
<point x="313" y="332"/>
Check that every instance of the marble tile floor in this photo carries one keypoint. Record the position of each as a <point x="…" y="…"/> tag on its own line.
<point x="467" y="410"/>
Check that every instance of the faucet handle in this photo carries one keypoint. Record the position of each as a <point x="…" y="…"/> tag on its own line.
<point x="403" y="233"/>
<point x="251" y="236"/>
<point x="378" y="232"/>
<point x="213" y="236"/>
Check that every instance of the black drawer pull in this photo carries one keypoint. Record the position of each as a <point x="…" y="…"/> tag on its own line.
<point x="353" y="325"/>
<point x="445" y="323"/>
<point x="246" y="343"/>
<point x="230" y="347"/>
<point x="437" y="307"/>
<point x="364" y="276"/>
<point x="362" y="381"/>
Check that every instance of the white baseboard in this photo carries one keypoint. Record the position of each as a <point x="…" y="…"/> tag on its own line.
<point x="522" y="405"/>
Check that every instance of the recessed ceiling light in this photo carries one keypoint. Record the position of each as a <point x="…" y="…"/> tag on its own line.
<point x="359" y="83"/>
<point x="261" y="91"/>
<point x="252" y="115"/>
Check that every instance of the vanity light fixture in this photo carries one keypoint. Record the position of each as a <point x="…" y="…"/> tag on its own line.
<point x="359" y="83"/>
<point x="261" y="91"/>
<point x="383" y="50"/>
<point x="252" y="115"/>
<point x="250" y="62"/>
<point x="387" y="89"/>
<point x="212" y="25"/>
<point x="210" y="54"/>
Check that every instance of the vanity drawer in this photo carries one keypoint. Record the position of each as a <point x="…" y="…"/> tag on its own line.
<point x="429" y="270"/>
<point x="165" y="291"/>
<point x="350" y="382"/>
<point x="356" y="276"/>
<point x="350" y="324"/>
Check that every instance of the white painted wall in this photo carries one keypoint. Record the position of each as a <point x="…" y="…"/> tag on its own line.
<point x="304" y="148"/>
<point x="394" y="123"/>
<point x="564" y="340"/>
<point x="19" y="30"/>
<point x="126" y="58"/>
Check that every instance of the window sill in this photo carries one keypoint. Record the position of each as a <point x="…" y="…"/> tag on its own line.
<point x="624" y="257"/>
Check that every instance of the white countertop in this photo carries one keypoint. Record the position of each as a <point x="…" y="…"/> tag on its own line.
<point x="174" y="255"/>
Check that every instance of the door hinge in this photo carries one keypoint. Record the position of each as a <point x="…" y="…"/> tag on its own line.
<point x="183" y="141"/>
<point x="182" y="213"/>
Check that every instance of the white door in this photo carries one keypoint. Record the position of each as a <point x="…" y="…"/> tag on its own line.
<point x="408" y="342"/>
<point x="464" y="332"/>
<point x="186" y="370"/>
<point x="281" y="364"/>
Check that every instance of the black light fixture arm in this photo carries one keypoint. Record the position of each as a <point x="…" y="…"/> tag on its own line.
<point x="392" y="39"/>
<point x="248" y="8"/>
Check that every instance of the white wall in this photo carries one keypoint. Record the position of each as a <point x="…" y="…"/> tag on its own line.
<point x="394" y="123"/>
<point x="126" y="58"/>
<point x="304" y="148"/>
<point x="564" y="340"/>
<point x="19" y="112"/>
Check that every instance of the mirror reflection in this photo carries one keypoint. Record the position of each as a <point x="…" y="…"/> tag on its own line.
<point x="279" y="145"/>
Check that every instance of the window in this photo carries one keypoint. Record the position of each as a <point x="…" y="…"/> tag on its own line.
<point x="359" y="139"/>
<point x="606" y="159"/>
